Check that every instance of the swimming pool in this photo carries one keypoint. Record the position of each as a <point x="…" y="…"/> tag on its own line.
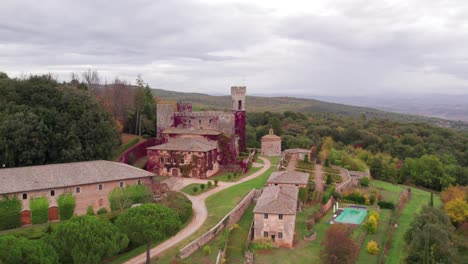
<point x="351" y="216"/>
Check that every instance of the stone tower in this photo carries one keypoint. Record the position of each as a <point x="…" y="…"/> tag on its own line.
<point x="238" y="108"/>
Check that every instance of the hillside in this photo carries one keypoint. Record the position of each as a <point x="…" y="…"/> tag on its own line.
<point x="281" y="104"/>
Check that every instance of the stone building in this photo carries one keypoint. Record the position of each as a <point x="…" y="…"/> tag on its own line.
<point x="90" y="182"/>
<point x="271" y="145"/>
<point x="289" y="178"/>
<point x="275" y="215"/>
<point x="218" y="138"/>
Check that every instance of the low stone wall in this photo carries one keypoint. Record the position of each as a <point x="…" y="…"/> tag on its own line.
<point x="348" y="184"/>
<point x="227" y="222"/>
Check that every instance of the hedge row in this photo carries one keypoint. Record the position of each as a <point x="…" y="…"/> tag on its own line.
<point x="386" y="205"/>
<point x="10" y="209"/>
<point x="39" y="210"/>
<point x="327" y="194"/>
<point x="355" y="197"/>
<point x="66" y="205"/>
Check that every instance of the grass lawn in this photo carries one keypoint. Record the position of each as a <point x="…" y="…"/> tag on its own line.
<point x="238" y="238"/>
<point x="189" y="188"/>
<point x="218" y="205"/>
<point x="223" y="176"/>
<point x="274" y="160"/>
<point x="419" y="198"/>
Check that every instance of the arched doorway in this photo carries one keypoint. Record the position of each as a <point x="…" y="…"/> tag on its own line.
<point x="175" y="172"/>
<point x="53" y="213"/>
<point x="25" y="217"/>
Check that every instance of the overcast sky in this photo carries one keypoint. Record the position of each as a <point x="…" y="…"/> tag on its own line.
<point x="273" y="47"/>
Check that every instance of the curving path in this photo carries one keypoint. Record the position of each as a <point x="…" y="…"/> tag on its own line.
<point x="199" y="211"/>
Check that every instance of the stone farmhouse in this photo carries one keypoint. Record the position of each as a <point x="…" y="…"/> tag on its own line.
<point x="271" y="145"/>
<point x="288" y="178"/>
<point x="275" y="215"/>
<point x="198" y="144"/>
<point x="89" y="182"/>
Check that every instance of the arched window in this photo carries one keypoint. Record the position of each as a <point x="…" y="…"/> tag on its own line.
<point x="240" y="105"/>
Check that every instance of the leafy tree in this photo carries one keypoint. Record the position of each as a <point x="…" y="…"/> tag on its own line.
<point x="39" y="210"/>
<point x="457" y="210"/>
<point x="453" y="192"/>
<point x="123" y="198"/>
<point x="179" y="202"/>
<point x="427" y="171"/>
<point x="22" y="250"/>
<point x="87" y="239"/>
<point x="47" y="122"/>
<point x="431" y="238"/>
<point x="338" y="247"/>
<point x="10" y="208"/>
<point x="66" y="205"/>
<point x="148" y="223"/>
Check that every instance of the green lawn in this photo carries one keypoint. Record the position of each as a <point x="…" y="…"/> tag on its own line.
<point x="274" y="160"/>
<point x="378" y="237"/>
<point x="218" y="205"/>
<point x="189" y="188"/>
<point x="223" y="176"/>
<point x="238" y="238"/>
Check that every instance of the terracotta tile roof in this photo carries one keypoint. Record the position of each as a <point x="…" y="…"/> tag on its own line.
<point x="291" y="177"/>
<point x="277" y="200"/>
<point x="187" y="144"/>
<point x="191" y="131"/>
<point x="13" y="180"/>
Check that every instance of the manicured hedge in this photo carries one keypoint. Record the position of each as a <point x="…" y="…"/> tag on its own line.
<point x="66" y="205"/>
<point x="327" y="194"/>
<point x="355" y="197"/>
<point x="386" y="205"/>
<point x="123" y="198"/>
<point x="39" y="210"/>
<point x="10" y="208"/>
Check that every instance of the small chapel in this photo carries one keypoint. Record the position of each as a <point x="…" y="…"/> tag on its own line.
<point x="271" y="145"/>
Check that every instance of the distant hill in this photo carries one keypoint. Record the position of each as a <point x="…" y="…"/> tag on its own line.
<point x="280" y="104"/>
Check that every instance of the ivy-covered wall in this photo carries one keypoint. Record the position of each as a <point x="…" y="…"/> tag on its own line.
<point x="10" y="208"/>
<point x="39" y="210"/>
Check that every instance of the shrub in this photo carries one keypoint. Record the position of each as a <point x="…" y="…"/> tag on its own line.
<point x="303" y="194"/>
<point x="370" y="225"/>
<point x="364" y="182"/>
<point x="102" y="210"/>
<point x="202" y="187"/>
<point x="209" y="184"/>
<point x="372" y="247"/>
<point x="39" y="210"/>
<point x="179" y="203"/>
<point x="10" y="208"/>
<point x="229" y="177"/>
<point x="336" y="195"/>
<point x="355" y="197"/>
<point x="327" y="194"/>
<point x="123" y="198"/>
<point x="206" y="250"/>
<point x="195" y="189"/>
<point x="386" y="205"/>
<point x="327" y="163"/>
<point x="216" y="182"/>
<point x="66" y="205"/>
<point x="329" y="179"/>
<point x="90" y="210"/>
<point x="262" y="244"/>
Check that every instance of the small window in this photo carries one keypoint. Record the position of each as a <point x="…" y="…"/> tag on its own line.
<point x="100" y="187"/>
<point x="182" y="161"/>
<point x="280" y="234"/>
<point x="210" y="121"/>
<point x="265" y="216"/>
<point x="25" y="196"/>
<point x="121" y="184"/>
<point x="280" y="217"/>
<point x="139" y="182"/>
<point x="78" y="189"/>
<point x="161" y="160"/>
<point x="52" y="193"/>
<point x="265" y="234"/>
<point x="199" y="122"/>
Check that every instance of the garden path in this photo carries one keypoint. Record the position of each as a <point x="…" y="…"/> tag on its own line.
<point x="318" y="178"/>
<point x="200" y="212"/>
<point x="292" y="163"/>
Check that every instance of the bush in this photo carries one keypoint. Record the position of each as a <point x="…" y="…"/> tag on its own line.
<point x="327" y="163"/>
<point x="39" y="210"/>
<point x="386" y="205"/>
<point x="364" y="182"/>
<point x="209" y="184"/>
<point x="202" y="187"/>
<point x="179" y="203"/>
<point x="262" y="244"/>
<point x="216" y="182"/>
<point x="355" y="197"/>
<point x="123" y="198"/>
<point x="303" y="195"/>
<point x="10" y="208"/>
<point x="229" y="177"/>
<point x="329" y="179"/>
<point x="327" y="194"/>
<point x="370" y="225"/>
<point x="102" y="210"/>
<point x="66" y="205"/>
<point x="372" y="247"/>
<point x="195" y="189"/>
<point x="336" y="195"/>
<point x="90" y="210"/>
<point x="206" y="250"/>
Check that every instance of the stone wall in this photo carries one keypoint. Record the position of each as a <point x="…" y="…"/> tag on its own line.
<point x="227" y="222"/>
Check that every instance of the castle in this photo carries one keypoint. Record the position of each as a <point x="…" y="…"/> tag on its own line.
<point x="198" y="144"/>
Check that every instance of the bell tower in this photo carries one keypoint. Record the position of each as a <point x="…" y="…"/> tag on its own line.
<point x="238" y="108"/>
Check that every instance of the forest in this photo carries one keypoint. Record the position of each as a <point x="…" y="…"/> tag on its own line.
<point x="399" y="152"/>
